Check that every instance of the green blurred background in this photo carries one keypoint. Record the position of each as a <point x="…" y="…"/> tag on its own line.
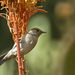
<point x="54" y="53"/>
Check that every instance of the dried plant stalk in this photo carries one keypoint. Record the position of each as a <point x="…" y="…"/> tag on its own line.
<point x="19" y="13"/>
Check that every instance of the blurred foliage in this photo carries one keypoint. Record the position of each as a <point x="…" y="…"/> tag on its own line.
<point x="45" y="58"/>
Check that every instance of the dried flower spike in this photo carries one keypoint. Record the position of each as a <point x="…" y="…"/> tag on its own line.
<point x="23" y="10"/>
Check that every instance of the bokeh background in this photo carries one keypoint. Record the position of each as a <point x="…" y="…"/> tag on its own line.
<point x="54" y="53"/>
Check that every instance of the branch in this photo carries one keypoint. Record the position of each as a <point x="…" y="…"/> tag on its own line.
<point x="18" y="47"/>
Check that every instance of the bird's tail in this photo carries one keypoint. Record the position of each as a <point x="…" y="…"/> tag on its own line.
<point x="1" y="57"/>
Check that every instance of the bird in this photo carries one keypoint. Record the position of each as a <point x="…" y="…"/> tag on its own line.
<point x="27" y="43"/>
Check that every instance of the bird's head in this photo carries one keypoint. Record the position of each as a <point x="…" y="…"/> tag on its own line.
<point x="36" y="31"/>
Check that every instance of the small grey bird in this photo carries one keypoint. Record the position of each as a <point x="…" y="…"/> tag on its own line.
<point x="27" y="43"/>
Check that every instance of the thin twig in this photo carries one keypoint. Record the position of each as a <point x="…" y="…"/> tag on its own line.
<point x="18" y="47"/>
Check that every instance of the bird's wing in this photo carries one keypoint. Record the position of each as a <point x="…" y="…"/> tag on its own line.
<point x="23" y="39"/>
<point x="13" y="52"/>
<point x="20" y="42"/>
<point x="15" y="45"/>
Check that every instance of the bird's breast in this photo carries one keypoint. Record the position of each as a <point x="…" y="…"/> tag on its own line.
<point x="30" y="42"/>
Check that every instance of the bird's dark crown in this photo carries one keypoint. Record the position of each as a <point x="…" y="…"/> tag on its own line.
<point x="36" y="29"/>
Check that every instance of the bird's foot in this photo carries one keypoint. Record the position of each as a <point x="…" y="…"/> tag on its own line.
<point x="17" y="59"/>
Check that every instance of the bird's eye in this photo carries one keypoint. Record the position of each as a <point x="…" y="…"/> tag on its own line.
<point x="37" y="30"/>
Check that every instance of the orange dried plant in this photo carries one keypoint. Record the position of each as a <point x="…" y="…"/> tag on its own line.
<point x="17" y="14"/>
<point x="23" y="10"/>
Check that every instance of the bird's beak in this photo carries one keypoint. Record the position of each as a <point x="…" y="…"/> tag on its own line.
<point x="43" y="32"/>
